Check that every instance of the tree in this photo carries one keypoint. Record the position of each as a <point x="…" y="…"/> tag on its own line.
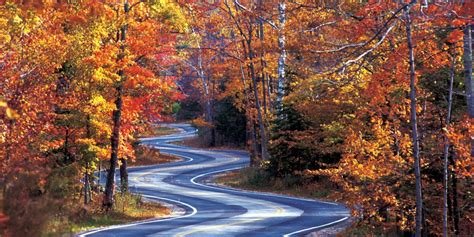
<point x="59" y="65"/>
<point x="414" y="123"/>
<point x="282" y="58"/>
<point x="136" y="59"/>
<point x="468" y="74"/>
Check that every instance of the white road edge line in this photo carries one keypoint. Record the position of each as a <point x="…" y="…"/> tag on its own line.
<point x="316" y="227"/>
<point x="149" y="221"/>
<point x="217" y="188"/>
<point x="265" y="194"/>
<point x="279" y="196"/>
<point x="146" y="222"/>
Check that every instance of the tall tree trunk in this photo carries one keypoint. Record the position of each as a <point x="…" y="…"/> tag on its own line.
<point x="207" y="95"/>
<point x="468" y="69"/>
<point x="123" y="175"/>
<point x="261" y="37"/>
<point x="250" y="124"/>
<point x="67" y="155"/>
<point x="450" y="205"/>
<point x="250" y="55"/>
<point x="454" y="190"/>
<point x="446" y="150"/>
<point x="115" y="140"/>
<point x="468" y="76"/>
<point x="414" y="124"/>
<point x="87" y="187"/>
<point x="87" y="176"/>
<point x="261" y="124"/>
<point x="205" y="85"/>
<point x="282" y="58"/>
<point x="116" y="118"/>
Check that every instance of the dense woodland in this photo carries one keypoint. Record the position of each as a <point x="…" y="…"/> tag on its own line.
<point x="373" y="97"/>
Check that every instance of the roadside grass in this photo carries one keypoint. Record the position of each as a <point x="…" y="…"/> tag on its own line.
<point x="196" y="142"/>
<point x="157" y="130"/>
<point x="254" y="179"/>
<point x="150" y="156"/>
<point x="128" y="208"/>
<point x="67" y="216"/>
<point x="257" y="180"/>
<point x="76" y="217"/>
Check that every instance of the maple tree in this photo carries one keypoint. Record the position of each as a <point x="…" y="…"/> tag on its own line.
<point x="59" y="63"/>
<point x="365" y="99"/>
<point x="374" y="97"/>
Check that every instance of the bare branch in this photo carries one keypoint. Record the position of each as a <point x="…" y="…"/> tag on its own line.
<point x="319" y="26"/>
<point x="339" y="49"/>
<point x="352" y="61"/>
<point x="269" y="22"/>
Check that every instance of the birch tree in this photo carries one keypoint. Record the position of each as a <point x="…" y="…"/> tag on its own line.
<point x="414" y="122"/>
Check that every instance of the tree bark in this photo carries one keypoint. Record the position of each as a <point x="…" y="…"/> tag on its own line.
<point x="261" y="124"/>
<point x="454" y="190"/>
<point x="414" y="124"/>
<point x="450" y="206"/>
<point x="261" y="37"/>
<point x="250" y="125"/>
<point x="250" y="55"/>
<point x="87" y="176"/>
<point x="115" y="139"/>
<point x="468" y="69"/>
<point x="468" y="76"/>
<point x="87" y="186"/>
<point x="123" y="176"/>
<point x="205" y="85"/>
<point x="446" y="150"/>
<point x="207" y="95"/>
<point x="282" y="57"/>
<point x="67" y="155"/>
<point x="108" y="201"/>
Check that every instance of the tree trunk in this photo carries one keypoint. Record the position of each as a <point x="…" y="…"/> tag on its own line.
<point x="261" y="37"/>
<point x="249" y="54"/>
<point x="67" y="156"/>
<point x="250" y="125"/>
<point x="87" y="176"/>
<point x="261" y="124"/>
<point x="87" y="186"/>
<point x="414" y="124"/>
<point x="454" y="190"/>
<point x="115" y="139"/>
<point x="446" y="150"/>
<point x="450" y="206"/>
<point x="207" y="96"/>
<point x="205" y="85"/>
<point x="108" y="201"/>
<point x="468" y="76"/>
<point x="282" y="58"/>
<point x="123" y="176"/>
<point x="468" y="69"/>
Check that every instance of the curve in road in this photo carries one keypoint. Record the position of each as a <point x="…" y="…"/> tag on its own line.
<point x="216" y="211"/>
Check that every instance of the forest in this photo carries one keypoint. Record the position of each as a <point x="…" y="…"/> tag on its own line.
<point x="374" y="99"/>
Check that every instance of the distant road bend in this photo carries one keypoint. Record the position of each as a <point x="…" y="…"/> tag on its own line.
<point x="212" y="210"/>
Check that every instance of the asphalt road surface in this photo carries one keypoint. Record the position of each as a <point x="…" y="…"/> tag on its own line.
<point x="215" y="211"/>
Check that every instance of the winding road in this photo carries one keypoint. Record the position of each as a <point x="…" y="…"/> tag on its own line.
<point x="211" y="210"/>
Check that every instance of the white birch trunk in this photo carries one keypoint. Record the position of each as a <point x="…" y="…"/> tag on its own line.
<point x="282" y="58"/>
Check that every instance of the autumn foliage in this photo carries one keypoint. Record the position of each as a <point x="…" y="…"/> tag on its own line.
<point x="59" y="64"/>
<point x="319" y="91"/>
<point x="346" y="115"/>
